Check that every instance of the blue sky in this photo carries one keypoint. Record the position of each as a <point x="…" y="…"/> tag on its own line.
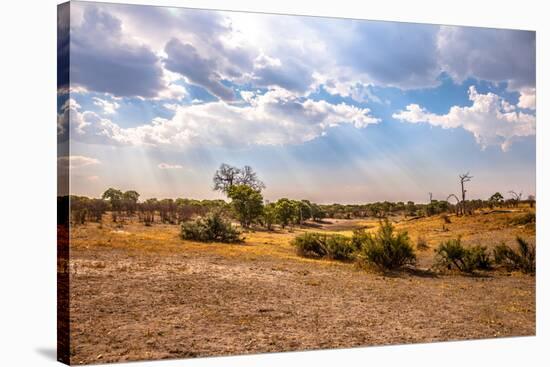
<point x="329" y="110"/>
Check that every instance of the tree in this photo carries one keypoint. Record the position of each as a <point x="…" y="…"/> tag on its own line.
<point x="246" y="202"/>
<point x="316" y="212"/>
<point x="531" y="200"/>
<point x="411" y="208"/>
<point x="227" y="176"/>
<point x="130" y="199"/>
<point x="496" y="198"/>
<point x="457" y="202"/>
<point x="115" y="198"/>
<point x="248" y="177"/>
<point x="113" y="195"/>
<point x="465" y="177"/>
<point x="269" y="215"/>
<point x="131" y="195"/>
<point x="516" y="197"/>
<point x="284" y="211"/>
<point x="302" y="211"/>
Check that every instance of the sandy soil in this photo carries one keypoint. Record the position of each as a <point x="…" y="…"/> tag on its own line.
<point x="142" y="293"/>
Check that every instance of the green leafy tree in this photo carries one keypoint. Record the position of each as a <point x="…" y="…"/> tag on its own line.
<point x="129" y="201"/>
<point x="115" y="198"/>
<point x="285" y="210"/>
<point x="113" y="195"/>
<point x="496" y="199"/>
<point x="246" y="202"/>
<point x="269" y="215"/>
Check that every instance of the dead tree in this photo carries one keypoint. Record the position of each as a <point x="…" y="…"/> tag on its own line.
<point x="531" y="200"/>
<point x="516" y="197"/>
<point x="457" y="203"/>
<point x="465" y="177"/>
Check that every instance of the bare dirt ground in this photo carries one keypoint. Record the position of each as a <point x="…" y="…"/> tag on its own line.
<point x="142" y="293"/>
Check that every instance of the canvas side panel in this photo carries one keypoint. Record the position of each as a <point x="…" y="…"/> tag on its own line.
<point x="63" y="151"/>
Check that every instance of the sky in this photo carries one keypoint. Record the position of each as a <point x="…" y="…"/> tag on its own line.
<point x="324" y="109"/>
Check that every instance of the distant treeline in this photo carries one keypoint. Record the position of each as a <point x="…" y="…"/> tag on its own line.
<point x="122" y="207"/>
<point x="244" y="190"/>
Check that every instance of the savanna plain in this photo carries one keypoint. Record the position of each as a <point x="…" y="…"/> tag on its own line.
<point x="144" y="292"/>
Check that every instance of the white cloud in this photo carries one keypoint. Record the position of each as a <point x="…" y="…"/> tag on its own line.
<point x="527" y="98"/>
<point x="277" y="117"/>
<point x="76" y="161"/>
<point x="491" y="119"/>
<point x="108" y="107"/>
<point x="211" y="48"/>
<point x="169" y="166"/>
<point x="498" y="55"/>
<point x="170" y="106"/>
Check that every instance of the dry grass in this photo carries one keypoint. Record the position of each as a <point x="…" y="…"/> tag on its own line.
<point x="143" y="293"/>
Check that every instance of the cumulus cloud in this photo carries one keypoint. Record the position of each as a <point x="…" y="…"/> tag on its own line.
<point x="491" y="119"/>
<point x="141" y="45"/>
<point x="403" y="55"/>
<point x="488" y="54"/>
<point x="76" y="161"/>
<point x="527" y="98"/>
<point x="291" y="73"/>
<point x="184" y="58"/>
<point x="104" y="59"/>
<point x="277" y="117"/>
<point x="108" y="107"/>
<point x="169" y="166"/>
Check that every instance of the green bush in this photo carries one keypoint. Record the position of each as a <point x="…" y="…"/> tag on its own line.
<point x="339" y="247"/>
<point x="479" y="258"/>
<point x="359" y="237"/>
<point x="386" y="249"/>
<point x="523" y="259"/>
<point x="212" y="228"/>
<point x="452" y="254"/>
<point x="319" y="245"/>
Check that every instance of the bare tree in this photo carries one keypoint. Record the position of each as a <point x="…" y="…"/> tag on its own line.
<point x="516" y="197"/>
<point x="531" y="200"/>
<point x="227" y="176"/>
<point x="465" y="177"/>
<point x="250" y="178"/>
<point x="457" y="202"/>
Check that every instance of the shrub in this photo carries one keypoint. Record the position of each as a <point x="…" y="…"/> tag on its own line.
<point x="453" y="254"/>
<point x="212" y="228"/>
<point x="385" y="249"/>
<point x="318" y="245"/>
<point x="479" y="258"/>
<point x="359" y="237"/>
<point x="422" y="243"/>
<point x="339" y="247"/>
<point x="523" y="259"/>
<point x="309" y="245"/>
